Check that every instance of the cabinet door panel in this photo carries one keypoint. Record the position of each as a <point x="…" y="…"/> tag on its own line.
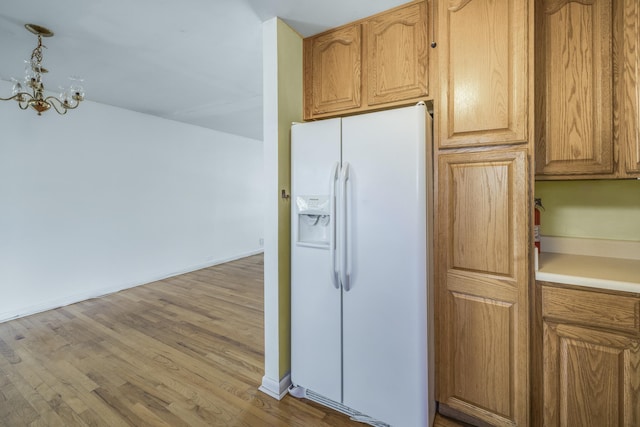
<point x="630" y="135"/>
<point x="332" y="71"/>
<point x="483" y="337"/>
<point x="590" y="377"/>
<point x="484" y="74"/>
<point x="490" y="226"/>
<point x="397" y="67"/>
<point x="575" y="112"/>
<point x="482" y="286"/>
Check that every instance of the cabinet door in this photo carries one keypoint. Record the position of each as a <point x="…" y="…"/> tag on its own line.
<point x="591" y="377"/>
<point x="574" y="76"/>
<point x="482" y="285"/>
<point x="483" y="72"/>
<point x="332" y="75"/>
<point x="630" y="135"/>
<point x="397" y="67"/>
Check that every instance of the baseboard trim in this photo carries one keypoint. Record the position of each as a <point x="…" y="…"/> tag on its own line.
<point x="72" y="299"/>
<point x="462" y="418"/>
<point x="276" y="389"/>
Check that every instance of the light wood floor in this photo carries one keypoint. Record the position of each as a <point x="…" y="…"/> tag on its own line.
<point x="185" y="351"/>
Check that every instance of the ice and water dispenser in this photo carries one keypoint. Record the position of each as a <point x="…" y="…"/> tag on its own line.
<point x="314" y="220"/>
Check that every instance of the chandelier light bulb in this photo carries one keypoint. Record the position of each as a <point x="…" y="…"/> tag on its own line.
<point x="64" y="95"/>
<point x="76" y="89"/>
<point x="17" y="87"/>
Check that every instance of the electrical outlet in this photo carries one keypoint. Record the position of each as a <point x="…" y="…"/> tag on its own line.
<point x="261" y="242"/>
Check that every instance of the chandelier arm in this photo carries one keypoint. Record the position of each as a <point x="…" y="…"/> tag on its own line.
<point x="58" y="105"/>
<point x="23" y="99"/>
<point x="66" y="106"/>
<point x="16" y="96"/>
<point x="69" y="105"/>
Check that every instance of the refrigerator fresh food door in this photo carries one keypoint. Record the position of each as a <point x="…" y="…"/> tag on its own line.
<point x="384" y="308"/>
<point x="315" y="299"/>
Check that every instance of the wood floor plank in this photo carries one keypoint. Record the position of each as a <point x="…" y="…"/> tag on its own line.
<point x="183" y="351"/>
<point x="13" y="406"/>
<point x="35" y="399"/>
<point x="57" y="389"/>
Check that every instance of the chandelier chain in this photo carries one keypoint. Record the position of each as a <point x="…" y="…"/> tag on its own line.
<point x="36" y="55"/>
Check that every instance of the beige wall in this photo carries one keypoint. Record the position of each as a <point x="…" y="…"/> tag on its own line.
<point x="604" y="209"/>
<point x="282" y="69"/>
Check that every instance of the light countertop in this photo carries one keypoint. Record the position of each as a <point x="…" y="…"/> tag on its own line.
<point x="592" y="271"/>
<point x="605" y="264"/>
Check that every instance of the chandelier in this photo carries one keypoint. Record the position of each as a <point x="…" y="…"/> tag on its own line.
<point x="69" y="99"/>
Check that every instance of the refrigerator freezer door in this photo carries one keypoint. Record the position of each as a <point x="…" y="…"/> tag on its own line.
<point x="384" y="310"/>
<point x="315" y="301"/>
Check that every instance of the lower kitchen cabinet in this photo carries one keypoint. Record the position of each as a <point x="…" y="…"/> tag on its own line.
<point x="590" y="357"/>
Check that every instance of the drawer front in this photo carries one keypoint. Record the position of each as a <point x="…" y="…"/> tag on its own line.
<point x="592" y="308"/>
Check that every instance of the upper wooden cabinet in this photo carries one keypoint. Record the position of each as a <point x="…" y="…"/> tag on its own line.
<point x="483" y="57"/>
<point x="574" y="79"/>
<point x="396" y="55"/>
<point x="630" y="123"/>
<point x="587" y="88"/>
<point x="332" y="65"/>
<point x="375" y="63"/>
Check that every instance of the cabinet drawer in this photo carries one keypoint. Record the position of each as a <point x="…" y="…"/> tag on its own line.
<point x="592" y="308"/>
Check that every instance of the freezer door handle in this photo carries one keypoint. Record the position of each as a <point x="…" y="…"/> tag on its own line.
<point x="344" y="243"/>
<point x="335" y="173"/>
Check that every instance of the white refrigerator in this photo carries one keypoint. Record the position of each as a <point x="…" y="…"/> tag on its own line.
<point x="360" y="294"/>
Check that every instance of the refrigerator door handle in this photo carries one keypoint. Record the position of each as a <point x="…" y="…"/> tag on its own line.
<point x="335" y="173"/>
<point x="344" y="243"/>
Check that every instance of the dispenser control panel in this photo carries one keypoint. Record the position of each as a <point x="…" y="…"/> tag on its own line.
<point x="314" y="221"/>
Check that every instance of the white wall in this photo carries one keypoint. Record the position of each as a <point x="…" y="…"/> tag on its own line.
<point x="103" y="199"/>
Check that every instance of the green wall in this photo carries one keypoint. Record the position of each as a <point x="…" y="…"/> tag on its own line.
<point x="289" y="110"/>
<point x="603" y="209"/>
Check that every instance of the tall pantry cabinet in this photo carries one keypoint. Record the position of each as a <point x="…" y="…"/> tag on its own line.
<point x="484" y="175"/>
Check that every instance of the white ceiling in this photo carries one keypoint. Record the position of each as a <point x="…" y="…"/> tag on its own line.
<point x="194" y="61"/>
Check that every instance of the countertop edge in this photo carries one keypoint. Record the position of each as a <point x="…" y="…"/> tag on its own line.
<point x="589" y="282"/>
